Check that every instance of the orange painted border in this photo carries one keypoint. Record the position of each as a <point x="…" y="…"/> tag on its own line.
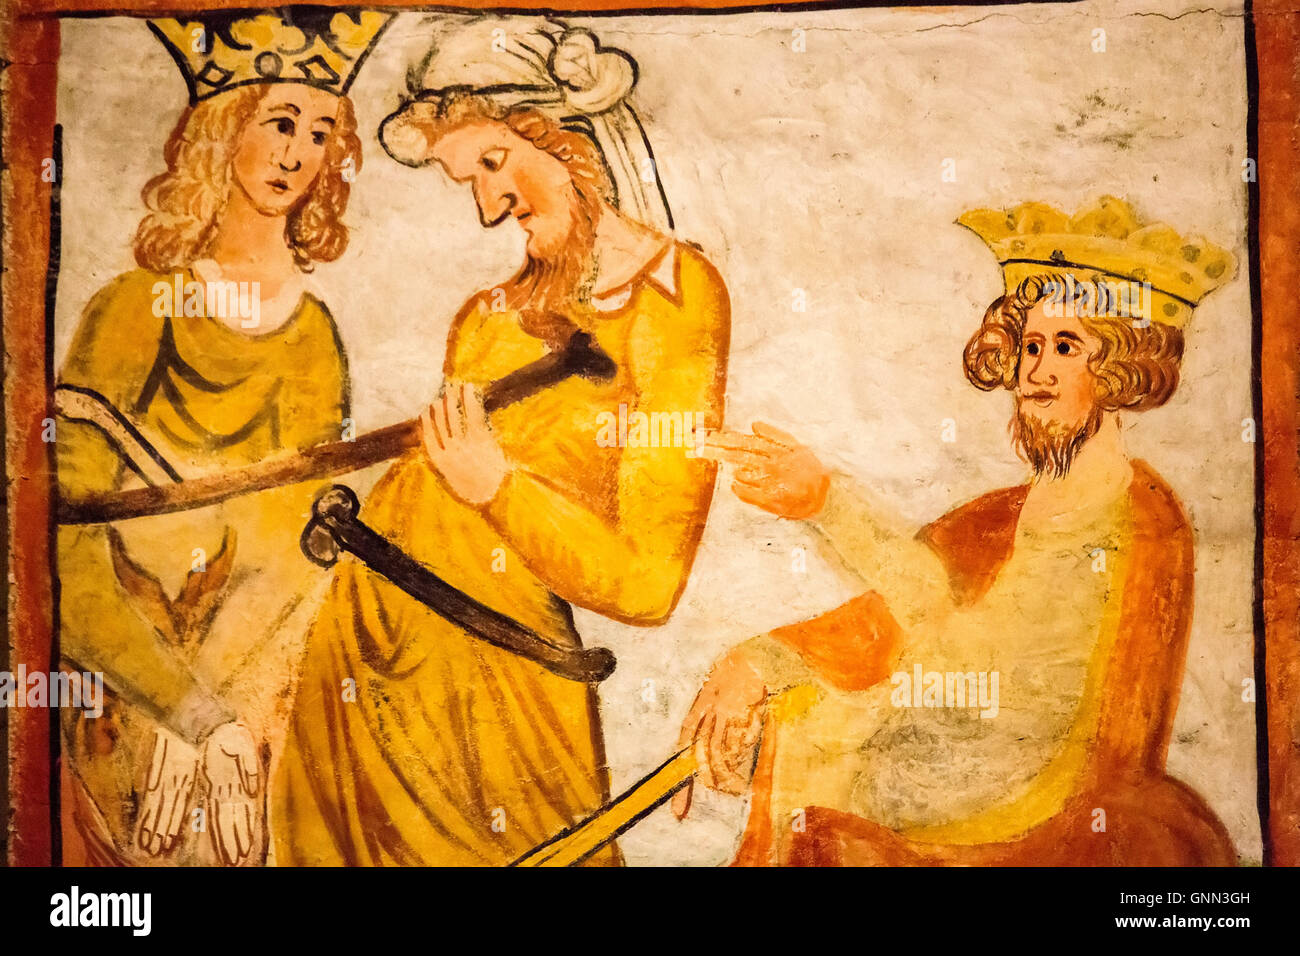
<point x="43" y="8"/>
<point x="1277" y="46"/>
<point x="29" y="90"/>
<point x="31" y="46"/>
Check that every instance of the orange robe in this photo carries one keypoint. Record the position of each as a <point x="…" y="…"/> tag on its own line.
<point x="1150" y="818"/>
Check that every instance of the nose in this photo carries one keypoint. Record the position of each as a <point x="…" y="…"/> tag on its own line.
<point x="494" y="209"/>
<point x="290" y="161"/>
<point x="1036" y="374"/>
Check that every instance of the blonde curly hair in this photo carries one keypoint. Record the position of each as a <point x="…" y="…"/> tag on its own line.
<point x="1137" y="368"/>
<point x="186" y="202"/>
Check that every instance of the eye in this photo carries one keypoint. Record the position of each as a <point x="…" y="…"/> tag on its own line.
<point x="1032" y="348"/>
<point x="1064" y="348"/>
<point x="493" y="159"/>
<point x="318" y="138"/>
<point x="282" y="124"/>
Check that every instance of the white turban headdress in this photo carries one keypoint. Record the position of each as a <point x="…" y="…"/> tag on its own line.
<point x="563" y="72"/>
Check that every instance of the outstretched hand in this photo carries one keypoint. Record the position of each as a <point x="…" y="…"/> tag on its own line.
<point x="773" y="470"/>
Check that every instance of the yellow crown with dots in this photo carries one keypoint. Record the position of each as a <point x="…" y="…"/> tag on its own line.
<point x="320" y="47"/>
<point x="1105" y="242"/>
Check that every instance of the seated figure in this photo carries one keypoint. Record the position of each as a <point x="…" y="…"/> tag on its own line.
<point x="1005" y="692"/>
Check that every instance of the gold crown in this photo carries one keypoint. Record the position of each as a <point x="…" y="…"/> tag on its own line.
<point x="321" y="47"/>
<point x="1105" y="241"/>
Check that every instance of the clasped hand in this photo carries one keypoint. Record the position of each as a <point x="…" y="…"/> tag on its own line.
<point x="231" y="769"/>
<point x="460" y="445"/>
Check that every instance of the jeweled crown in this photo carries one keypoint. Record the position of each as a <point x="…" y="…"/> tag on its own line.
<point x="321" y="47"/>
<point x="1105" y="240"/>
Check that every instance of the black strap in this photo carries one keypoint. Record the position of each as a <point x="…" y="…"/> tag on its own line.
<point x="334" y="527"/>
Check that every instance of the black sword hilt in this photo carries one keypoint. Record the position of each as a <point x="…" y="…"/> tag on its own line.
<point x="333" y="510"/>
<point x="334" y="528"/>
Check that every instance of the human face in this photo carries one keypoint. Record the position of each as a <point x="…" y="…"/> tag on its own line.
<point x="1056" y="385"/>
<point x="282" y="148"/>
<point x="512" y="178"/>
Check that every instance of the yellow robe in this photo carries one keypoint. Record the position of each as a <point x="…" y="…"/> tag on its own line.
<point x="413" y="742"/>
<point x="179" y="649"/>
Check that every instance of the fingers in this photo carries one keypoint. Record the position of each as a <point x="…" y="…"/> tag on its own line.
<point x="728" y="440"/>
<point x="774" y="434"/>
<point x="458" y="418"/>
<point x="444" y="405"/>
<point x="727" y="753"/>
<point x="240" y="749"/>
<point x="456" y="413"/>
<point x="151" y="807"/>
<point x="223" y="836"/>
<point x="147" y="837"/>
<point x="694" y="733"/>
<point x="739" y="739"/>
<point x="169" y="782"/>
<point x="154" y="777"/>
<point x="173" y="815"/>
<point x="740" y="457"/>
<point x="735" y="448"/>
<point x="694" y="717"/>
<point x="704" y="771"/>
<point x="248" y="772"/>
<point x="718" y="758"/>
<point x="230" y="822"/>
<point x="682" y="800"/>
<point x="433" y="443"/>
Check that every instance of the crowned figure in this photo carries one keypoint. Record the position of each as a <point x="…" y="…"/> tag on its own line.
<point x="1004" y="689"/>
<point x="213" y="354"/>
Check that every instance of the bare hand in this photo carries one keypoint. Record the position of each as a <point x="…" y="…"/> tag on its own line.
<point x="461" y="447"/>
<point x="231" y="768"/>
<point x="169" y="781"/>
<point x="724" y="724"/>
<point x="773" y="471"/>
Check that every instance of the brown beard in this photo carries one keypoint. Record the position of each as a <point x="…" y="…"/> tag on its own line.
<point x="1049" y="448"/>
<point x="551" y="286"/>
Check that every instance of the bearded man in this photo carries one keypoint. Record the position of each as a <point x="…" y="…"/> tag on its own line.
<point x="412" y="741"/>
<point x="1005" y="692"/>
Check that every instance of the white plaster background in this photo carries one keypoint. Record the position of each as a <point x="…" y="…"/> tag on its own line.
<point x="817" y="170"/>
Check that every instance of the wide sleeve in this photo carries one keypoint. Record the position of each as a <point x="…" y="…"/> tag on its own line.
<point x="99" y="628"/>
<point x="852" y="647"/>
<point x="633" y="566"/>
<point x="882" y="553"/>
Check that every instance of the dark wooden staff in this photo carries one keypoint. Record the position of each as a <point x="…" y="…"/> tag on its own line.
<point x="579" y="357"/>
<point x="335" y="527"/>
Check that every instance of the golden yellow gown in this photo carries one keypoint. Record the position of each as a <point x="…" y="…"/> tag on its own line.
<point x="449" y="750"/>
<point x="184" y="650"/>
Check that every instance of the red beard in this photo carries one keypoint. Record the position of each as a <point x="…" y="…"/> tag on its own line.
<point x="1050" y="447"/>
<point x="550" y="286"/>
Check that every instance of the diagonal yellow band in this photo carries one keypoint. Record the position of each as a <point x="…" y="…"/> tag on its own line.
<point x="574" y="845"/>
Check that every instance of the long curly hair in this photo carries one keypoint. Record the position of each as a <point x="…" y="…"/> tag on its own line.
<point x="1136" y="368"/>
<point x="185" y="203"/>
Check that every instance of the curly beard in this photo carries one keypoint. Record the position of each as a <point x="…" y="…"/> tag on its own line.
<point x="553" y="282"/>
<point x="1050" y="447"/>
